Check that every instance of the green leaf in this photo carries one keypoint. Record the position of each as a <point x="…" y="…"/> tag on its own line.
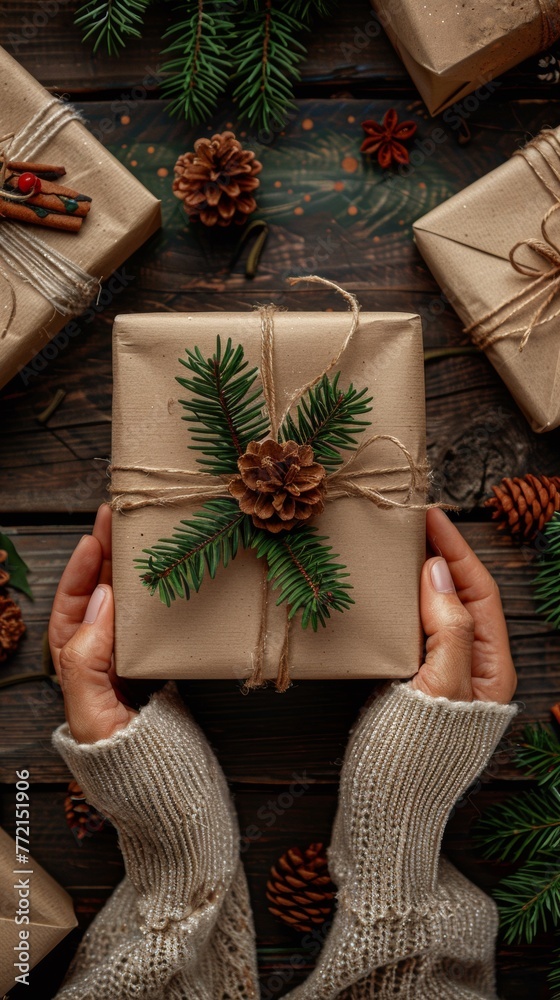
<point x="175" y="566"/>
<point x="200" y="63"/>
<point x="526" y="825"/>
<point x="529" y="900"/>
<point x="226" y="412"/>
<point x="15" y="566"/>
<point x="305" y="570"/>
<point x="327" y="419"/>
<point x="111" y="22"/>
<point x="547" y="582"/>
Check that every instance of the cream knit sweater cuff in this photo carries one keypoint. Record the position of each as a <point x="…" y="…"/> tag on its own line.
<point x="161" y="785"/>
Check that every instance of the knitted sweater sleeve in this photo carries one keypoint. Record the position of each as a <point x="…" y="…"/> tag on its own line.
<point x="408" y="924"/>
<point x="179" y="926"/>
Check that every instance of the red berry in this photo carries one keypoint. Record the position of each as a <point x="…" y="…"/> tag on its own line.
<point x="28" y="183"/>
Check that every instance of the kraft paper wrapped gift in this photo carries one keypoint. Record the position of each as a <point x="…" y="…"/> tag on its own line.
<point x="466" y="242"/>
<point x="51" y="913"/>
<point x="215" y="633"/>
<point x="123" y="215"/>
<point x="452" y="48"/>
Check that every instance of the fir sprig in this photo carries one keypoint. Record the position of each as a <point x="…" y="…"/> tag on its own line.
<point x="548" y="580"/>
<point x="198" y="66"/>
<point x="111" y="22"/>
<point x="539" y="755"/>
<point x="529" y="900"/>
<point x="554" y="976"/>
<point x="306" y="573"/>
<point x="327" y="419"/>
<point x="226" y="411"/>
<point x="528" y="825"/>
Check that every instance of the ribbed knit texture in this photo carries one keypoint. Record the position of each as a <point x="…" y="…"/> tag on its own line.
<point x="179" y="926"/>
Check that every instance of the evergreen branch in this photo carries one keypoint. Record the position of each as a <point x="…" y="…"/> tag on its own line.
<point x="327" y="420"/>
<point x="111" y="22"/>
<point x="547" y="583"/>
<point x="266" y="60"/>
<point x="199" y="66"/>
<point x="306" y="572"/>
<point x="554" y="976"/>
<point x="529" y="900"/>
<point x="306" y="10"/>
<point x="225" y="414"/>
<point x="177" y="565"/>
<point x="539" y="754"/>
<point x="527" y="825"/>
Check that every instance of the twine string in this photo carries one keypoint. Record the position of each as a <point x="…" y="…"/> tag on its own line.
<point x="343" y="483"/>
<point x="65" y="285"/>
<point x="544" y="285"/>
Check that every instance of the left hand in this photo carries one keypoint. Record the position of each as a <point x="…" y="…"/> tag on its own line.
<point x="81" y="632"/>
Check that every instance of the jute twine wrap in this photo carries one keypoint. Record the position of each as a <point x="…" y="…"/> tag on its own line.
<point x="345" y="482"/>
<point x="542" y="154"/>
<point x="66" y="286"/>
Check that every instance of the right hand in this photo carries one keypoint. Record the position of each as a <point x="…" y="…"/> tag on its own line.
<point x="467" y="648"/>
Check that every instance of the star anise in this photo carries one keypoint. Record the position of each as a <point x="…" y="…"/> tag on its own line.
<point x="280" y="486"/>
<point x="386" y="139"/>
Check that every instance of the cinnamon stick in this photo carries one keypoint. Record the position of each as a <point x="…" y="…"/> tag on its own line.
<point x="23" y="212"/>
<point x="43" y="170"/>
<point x="56" y="198"/>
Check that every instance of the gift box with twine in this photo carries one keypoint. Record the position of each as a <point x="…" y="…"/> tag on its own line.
<point x="452" y="49"/>
<point x="376" y="521"/>
<point x="494" y="249"/>
<point x="50" y="271"/>
<point x="28" y="891"/>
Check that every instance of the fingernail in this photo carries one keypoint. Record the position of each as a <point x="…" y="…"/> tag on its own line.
<point x="95" y="602"/>
<point x="441" y="577"/>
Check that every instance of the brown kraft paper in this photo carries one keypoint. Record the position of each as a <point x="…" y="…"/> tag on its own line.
<point x="123" y="215"/>
<point x="450" y="49"/>
<point x="214" y="635"/>
<point x="466" y="242"/>
<point x="51" y="914"/>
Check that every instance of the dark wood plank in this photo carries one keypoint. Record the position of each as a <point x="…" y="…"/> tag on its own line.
<point x="261" y="737"/>
<point x="475" y="432"/>
<point x="90" y="871"/>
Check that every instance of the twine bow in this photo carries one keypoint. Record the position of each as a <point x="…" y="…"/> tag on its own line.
<point x="545" y="284"/>
<point x="348" y="481"/>
<point x="66" y="286"/>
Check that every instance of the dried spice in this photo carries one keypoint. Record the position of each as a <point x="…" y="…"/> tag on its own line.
<point x="11" y="626"/>
<point x="386" y="139"/>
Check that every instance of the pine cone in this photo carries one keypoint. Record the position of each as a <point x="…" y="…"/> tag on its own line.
<point x="523" y="506"/>
<point x="300" y="888"/>
<point x="4" y="575"/>
<point x="82" y="818"/>
<point x="280" y="484"/>
<point x="215" y="182"/>
<point x="11" y="626"/>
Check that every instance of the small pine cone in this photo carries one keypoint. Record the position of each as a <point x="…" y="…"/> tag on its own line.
<point x="11" y="626"/>
<point x="81" y="817"/>
<point x="524" y="506"/>
<point x="280" y="485"/>
<point x="299" y="890"/>
<point x="216" y="182"/>
<point x="4" y="575"/>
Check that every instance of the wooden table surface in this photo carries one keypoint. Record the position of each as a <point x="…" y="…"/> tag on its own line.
<point x="327" y="211"/>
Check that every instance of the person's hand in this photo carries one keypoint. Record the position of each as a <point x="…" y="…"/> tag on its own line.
<point x="81" y="633"/>
<point x="467" y="646"/>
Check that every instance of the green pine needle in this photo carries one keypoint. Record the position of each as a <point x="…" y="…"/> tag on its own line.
<point x="305" y="571"/>
<point x="525" y="826"/>
<point x="539" y="754"/>
<point x="548" y="580"/>
<point x="177" y="565"/>
<point x="529" y="900"/>
<point x="327" y="420"/>
<point x="554" y="976"/>
<point x="111" y="22"/>
<point x="225" y="415"/>
<point x="199" y="63"/>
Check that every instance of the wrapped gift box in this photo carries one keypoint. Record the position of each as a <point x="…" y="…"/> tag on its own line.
<point x="51" y="914"/>
<point x="214" y="634"/>
<point x="451" y="49"/>
<point x="123" y="214"/>
<point x="466" y="242"/>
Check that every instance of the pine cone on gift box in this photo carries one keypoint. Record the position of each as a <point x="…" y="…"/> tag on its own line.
<point x="280" y="485"/>
<point x="524" y="505"/>
<point x="11" y="626"/>
<point x="300" y="890"/>
<point x="217" y="181"/>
